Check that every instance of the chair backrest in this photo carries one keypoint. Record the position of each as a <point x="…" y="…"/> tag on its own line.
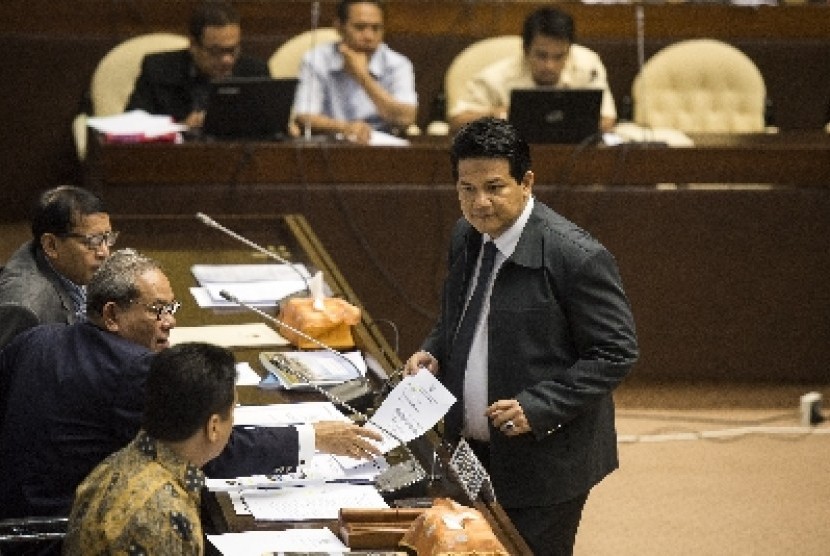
<point x="115" y="76"/>
<point x="475" y="58"/>
<point x="700" y="86"/>
<point x="286" y="60"/>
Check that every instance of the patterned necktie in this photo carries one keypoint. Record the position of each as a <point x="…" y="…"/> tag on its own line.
<point x="466" y="330"/>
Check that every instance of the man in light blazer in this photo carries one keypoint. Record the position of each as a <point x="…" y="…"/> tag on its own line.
<point x="554" y="338"/>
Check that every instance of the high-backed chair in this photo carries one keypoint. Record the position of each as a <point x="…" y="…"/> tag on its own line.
<point x="114" y="77"/>
<point x="286" y="60"/>
<point x="700" y="86"/>
<point x="473" y="59"/>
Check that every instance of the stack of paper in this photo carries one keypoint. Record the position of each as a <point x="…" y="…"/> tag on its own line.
<point x="262" y="285"/>
<point x="137" y="126"/>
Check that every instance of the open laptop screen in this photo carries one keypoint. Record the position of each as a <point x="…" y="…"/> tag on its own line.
<point x="249" y="108"/>
<point x="555" y="115"/>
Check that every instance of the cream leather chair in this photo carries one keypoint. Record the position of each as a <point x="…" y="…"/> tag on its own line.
<point x="475" y="58"/>
<point x="700" y="86"/>
<point x="286" y="60"/>
<point x="114" y="78"/>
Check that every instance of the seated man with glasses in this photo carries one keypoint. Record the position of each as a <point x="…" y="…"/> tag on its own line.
<point x="45" y="279"/>
<point x="72" y="395"/>
<point x="177" y="83"/>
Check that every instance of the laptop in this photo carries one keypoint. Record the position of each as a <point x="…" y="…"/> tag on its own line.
<point x="556" y="115"/>
<point x="249" y="108"/>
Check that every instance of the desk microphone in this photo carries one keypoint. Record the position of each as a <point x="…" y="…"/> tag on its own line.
<point x="396" y="477"/>
<point x="208" y="221"/>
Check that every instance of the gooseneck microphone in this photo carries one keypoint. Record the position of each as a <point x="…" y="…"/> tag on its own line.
<point x="208" y="221"/>
<point x="331" y="397"/>
<point x="397" y="476"/>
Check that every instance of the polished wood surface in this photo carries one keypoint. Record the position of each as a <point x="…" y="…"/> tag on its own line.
<point x="797" y="159"/>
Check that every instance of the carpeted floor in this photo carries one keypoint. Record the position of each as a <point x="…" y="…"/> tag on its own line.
<point x="713" y="471"/>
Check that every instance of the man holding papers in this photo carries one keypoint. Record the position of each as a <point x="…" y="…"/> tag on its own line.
<point x="75" y="394"/>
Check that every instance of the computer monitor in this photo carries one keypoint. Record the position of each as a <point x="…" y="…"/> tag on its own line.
<point x="556" y="115"/>
<point x="249" y="108"/>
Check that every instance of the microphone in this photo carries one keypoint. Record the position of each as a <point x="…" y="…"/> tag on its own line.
<point x="396" y="477"/>
<point x="208" y="221"/>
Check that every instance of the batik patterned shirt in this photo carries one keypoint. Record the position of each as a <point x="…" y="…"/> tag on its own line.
<point x="143" y="499"/>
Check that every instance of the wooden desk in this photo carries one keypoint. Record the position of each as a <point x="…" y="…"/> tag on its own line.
<point x="158" y="175"/>
<point x="178" y="242"/>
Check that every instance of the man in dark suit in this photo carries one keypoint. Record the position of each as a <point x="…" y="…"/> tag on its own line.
<point x="177" y="83"/>
<point x="44" y="280"/>
<point x="72" y="395"/>
<point x="551" y="340"/>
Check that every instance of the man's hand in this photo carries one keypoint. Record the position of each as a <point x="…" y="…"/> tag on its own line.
<point x="346" y="439"/>
<point x="195" y="119"/>
<point x="418" y="360"/>
<point x="355" y="63"/>
<point x="508" y="417"/>
<point x="358" y="132"/>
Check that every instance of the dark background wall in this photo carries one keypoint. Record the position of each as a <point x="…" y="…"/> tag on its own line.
<point x="51" y="49"/>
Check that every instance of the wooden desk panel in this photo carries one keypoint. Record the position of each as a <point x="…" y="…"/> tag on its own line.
<point x="796" y="159"/>
<point x="727" y="284"/>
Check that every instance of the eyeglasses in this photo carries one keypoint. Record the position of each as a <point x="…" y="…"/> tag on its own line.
<point x="216" y="51"/>
<point x="160" y="309"/>
<point x="94" y="241"/>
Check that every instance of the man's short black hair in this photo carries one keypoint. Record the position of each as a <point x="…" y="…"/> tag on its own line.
<point x="58" y="210"/>
<point x="211" y="13"/>
<point x="491" y="138"/>
<point x="188" y="383"/>
<point x="549" y="22"/>
<point x="344" y="5"/>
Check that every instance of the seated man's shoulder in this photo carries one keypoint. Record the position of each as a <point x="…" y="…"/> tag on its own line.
<point x="163" y="63"/>
<point x="249" y="66"/>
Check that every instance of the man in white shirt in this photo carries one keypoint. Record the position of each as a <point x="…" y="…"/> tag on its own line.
<point x="549" y="59"/>
<point x="352" y="87"/>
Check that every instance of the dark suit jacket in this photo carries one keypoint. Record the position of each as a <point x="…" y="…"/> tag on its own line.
<point x="31" y="293"/>
<point x="561" y="338"/>
<point x="76" y="395"/>
<point x="170" y="84"/>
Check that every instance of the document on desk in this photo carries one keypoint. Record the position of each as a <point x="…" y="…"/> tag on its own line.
<point x="411" y="408"/>
<point x="256" y="334"/>
<point x="266" y="542"/>
<point x="255" y="284"/>
<point x="304" y="503"/>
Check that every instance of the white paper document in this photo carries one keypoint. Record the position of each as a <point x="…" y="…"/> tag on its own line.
<point x="229" y="335"/>
<point x="292" y="540"/>
<point x="246" y="375"/>
<point x="239" y="273"/>
<point x="254" y="284"/>
<point x="411" y="409"/>
<point x="307" y="502"/>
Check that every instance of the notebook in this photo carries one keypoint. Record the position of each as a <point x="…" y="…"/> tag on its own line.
<point x="555" y="115"/>
<point x="249" y="108"/>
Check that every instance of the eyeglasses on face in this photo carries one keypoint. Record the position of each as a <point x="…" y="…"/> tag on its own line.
<point x="216" y="51"/>
<point x="160" y="309"/>
<point x="94" y="241"/>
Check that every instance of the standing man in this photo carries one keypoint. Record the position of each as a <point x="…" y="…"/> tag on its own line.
<point x="177" y="83"/>
<point x="535" y="333"/>
<point x="549" y="59"/>
<point x="45" y="280"/>
<point x="188" y="418"/>
<point x="72" y="395"/>
<point x="359" y="84"/>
